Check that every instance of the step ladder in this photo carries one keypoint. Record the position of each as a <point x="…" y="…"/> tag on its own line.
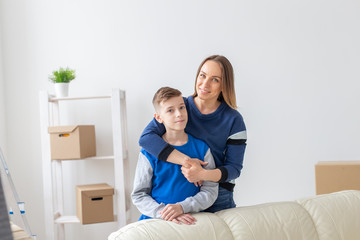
<point x="16" y="207"/>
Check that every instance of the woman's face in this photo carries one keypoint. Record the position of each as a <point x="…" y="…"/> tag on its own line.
<point x="208" y="82"/>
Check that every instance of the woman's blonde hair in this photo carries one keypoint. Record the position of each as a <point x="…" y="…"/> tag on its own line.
<point x="227" y="80"/>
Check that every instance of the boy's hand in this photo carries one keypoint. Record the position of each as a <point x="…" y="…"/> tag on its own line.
<point x="191" y="170"/>
<point x="171" y="211"/>
<point x="185" y="218"/>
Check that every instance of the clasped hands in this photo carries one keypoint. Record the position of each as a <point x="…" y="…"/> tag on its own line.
<point x="175" y="213"/>
<point x="192" y="170"/>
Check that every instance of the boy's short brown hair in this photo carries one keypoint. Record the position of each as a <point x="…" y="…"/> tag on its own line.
<point x="163" y="94"/>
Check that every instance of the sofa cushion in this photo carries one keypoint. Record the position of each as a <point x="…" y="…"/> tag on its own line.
<point x="335" y="215"/>
<point x="285" y="220"/>
<point x="324" y="217"/>
<point x="208" y="226"/>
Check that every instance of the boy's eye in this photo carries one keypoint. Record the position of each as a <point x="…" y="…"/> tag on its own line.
<point x="182" y="107"/>
<point x="170" y="110"/>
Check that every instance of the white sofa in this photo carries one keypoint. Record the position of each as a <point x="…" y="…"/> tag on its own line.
<point x="334" y="216"/>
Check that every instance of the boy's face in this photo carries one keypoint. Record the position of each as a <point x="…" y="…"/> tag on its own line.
<point x="172" y="113"/>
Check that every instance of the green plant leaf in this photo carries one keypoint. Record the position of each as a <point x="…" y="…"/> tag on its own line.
<point x="63" y="75"/>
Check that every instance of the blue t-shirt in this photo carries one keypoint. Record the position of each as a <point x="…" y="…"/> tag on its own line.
<point x="169" y="185"/>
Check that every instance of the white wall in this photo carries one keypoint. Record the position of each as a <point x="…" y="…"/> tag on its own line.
<point x="296" y="66"/>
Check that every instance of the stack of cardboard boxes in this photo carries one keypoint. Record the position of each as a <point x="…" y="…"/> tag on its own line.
<point x="94" y="202"/>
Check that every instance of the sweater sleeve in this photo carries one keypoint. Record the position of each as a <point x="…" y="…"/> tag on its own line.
<point x="208" y="191"/>
<point x="152" y="142"/>
<point x="235" y="150"/>
<point x="142" y="188"/>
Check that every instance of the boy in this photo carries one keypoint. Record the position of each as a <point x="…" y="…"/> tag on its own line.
<point x="160" y="189"/>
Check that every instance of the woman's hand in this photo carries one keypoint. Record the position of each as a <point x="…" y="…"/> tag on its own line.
<point x="192" y="170"/>
<point x="171" y="211"/>
<point x="185" y="218"/>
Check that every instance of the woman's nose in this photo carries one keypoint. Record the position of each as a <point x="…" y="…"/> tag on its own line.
<point x="206" y="82"/>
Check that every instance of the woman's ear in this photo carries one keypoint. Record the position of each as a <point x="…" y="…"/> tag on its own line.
<point x="158" y="118"/>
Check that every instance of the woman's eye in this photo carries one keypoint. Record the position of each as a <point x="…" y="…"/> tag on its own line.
<point x="170" y="110"/>
<point x="202" y="75"/>
<point x="182" y="107"/>
<point x="215" y="80"/>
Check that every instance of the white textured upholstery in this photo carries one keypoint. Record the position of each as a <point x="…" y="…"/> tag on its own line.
<point x="325" y="217"/>
<point x="208" y="226"/>
<point x="336" y="216"/>
<point x="285" y="220"/>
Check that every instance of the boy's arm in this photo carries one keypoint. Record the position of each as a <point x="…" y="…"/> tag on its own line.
<point x="142" y="188"/>
<point x="208" y="191"/>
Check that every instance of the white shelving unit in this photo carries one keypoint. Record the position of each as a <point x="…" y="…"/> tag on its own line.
<point x="55" y="219"/>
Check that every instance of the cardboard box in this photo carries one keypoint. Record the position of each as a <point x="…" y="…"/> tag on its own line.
<point x="72" y="142"/>
<point x="94" y="203"/>
<point x="337" y="176"/>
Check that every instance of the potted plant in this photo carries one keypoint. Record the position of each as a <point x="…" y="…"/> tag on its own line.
<point x="61" y="79"/>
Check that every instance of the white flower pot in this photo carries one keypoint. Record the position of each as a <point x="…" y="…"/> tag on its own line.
<point x="61" y="89"/>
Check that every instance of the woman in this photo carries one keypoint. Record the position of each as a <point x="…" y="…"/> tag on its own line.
<point x="212" y="117"/>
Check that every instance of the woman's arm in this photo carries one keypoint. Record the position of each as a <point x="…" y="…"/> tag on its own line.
<point x="235" y="150"/>
<point x="151" y="140"/>
<point x="233" y="160"/>
<point x="178" y="158"/>
<point x="194" y="172"/>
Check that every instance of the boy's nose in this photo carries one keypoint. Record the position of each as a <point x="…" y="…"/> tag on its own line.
<point x="178" y="113"/>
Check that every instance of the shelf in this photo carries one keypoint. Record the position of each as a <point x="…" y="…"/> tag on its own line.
<point x="73" y="219"/>
<point x="56" y="99"/>
<point x="67" y="219"/>
<point x="89" y="158"/>
<point x="53" y="187"/>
